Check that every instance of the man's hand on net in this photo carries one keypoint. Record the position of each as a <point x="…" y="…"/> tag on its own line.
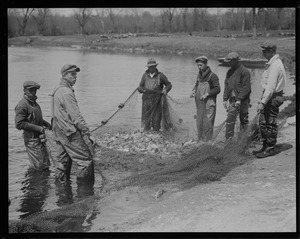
<point x="164" y="92"/>
<point x="225" y="104"/>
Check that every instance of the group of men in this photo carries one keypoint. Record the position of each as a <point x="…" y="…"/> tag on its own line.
<point x="70" y="128"/>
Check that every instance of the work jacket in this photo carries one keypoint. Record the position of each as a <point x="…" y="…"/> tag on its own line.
<point x="155" y="84"/>
<point x="65" y="110"/>
<point x="273" y="78"/>
<point x="212" y="79"/>
<point x="28" y="117"/>
<point x="237" y="83"/>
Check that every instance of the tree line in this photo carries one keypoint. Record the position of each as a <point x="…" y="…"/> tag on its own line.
<point x="85" y="21"/>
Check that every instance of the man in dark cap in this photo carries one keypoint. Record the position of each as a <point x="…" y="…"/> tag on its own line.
<point x="236" y="97"/>
<point x="69" y="128"/>
<point x="273" y="83"/>
<point x="152" y="86"/>
<point x="205" y="91"/>
<point x="29" y="118"/>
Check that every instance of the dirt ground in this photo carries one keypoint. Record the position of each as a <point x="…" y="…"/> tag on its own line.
<point x="259" y="196"/>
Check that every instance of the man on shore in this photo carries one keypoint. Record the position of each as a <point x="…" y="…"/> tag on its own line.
<point x="236" y="97"/>
<point x="205" y="91"/>
<point x="152" y="86"/>
<point x="273" y="83"/>
<point x="29" y="118"/>
<point x="69" y="128"/>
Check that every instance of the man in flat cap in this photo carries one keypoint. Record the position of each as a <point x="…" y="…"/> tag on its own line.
<point x="206" y="89"/>
<point x="69" y="128"/>
<point x="154" y="85"/>
<point x="29" y="118"/>
<point x="236" y="97"/>
<point x="273" y="83"/>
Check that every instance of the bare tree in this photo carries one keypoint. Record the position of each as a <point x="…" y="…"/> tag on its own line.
<point x="112" y="14"/>
<point x="100" y="12"/>
<point x="40" y="19"/>
<point x="254" y="20"/>
<point x="184" y="12"/>
<point x="23" y="16"/>
<point x="278" y="11"/>
<point x="244" y="12"/>
<point x="203" y="13"/>
<point x="169" y="14"/>
<point x="196" y="17"/>
<point x="82" y="16"/>
<point x="219" y="19"/>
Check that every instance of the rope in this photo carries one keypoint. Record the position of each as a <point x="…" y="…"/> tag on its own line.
<point x="115" y="111"/>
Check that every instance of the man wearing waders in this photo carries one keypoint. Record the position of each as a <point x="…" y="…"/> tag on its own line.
<point x="152" y="86"/>
<point x="69" y="128"/>
<point x="236" y="97"/>
<point x="273" y="83"/>
<point x="205" y="92"/>
<point x="29" y="118"/>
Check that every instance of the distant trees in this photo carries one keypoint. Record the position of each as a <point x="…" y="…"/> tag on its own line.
<point x="45" y="21"/>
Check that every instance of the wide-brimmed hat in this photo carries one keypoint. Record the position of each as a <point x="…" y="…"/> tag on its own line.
<point x="203" y="59"/>
<point x="30" y="85"/>
<point x="268" y="45"/>
<point x="151" y="62"/>
<point x="232" y="56"/>
<point x="69" y="68"/>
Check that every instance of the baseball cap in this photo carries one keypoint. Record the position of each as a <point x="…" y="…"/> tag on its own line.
<point x="69" y="68"/>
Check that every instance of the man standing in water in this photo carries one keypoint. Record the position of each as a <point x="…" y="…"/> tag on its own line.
<point x="69" y="128"/>
<point x="152" y="86"/>
<point x="205" y="91"/>
<point x="236" y="97"/>
<point x="273" y="83"/>
<point x="29" y="118"/>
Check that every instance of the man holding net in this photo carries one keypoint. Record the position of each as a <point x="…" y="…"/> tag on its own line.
<point x="154" y="85"/>
<point x="273" y="82"/>
<point x="236" y="97"/>
<point x="69" y="128"/>
<point x="205" y="92"/>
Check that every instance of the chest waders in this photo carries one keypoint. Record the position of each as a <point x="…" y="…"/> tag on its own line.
<point x="206" y="111"/>
<point x="151" y="106"/>
<point x="36" y="150"/>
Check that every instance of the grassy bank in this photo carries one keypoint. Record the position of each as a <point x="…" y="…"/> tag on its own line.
<point x="211" y="44"/>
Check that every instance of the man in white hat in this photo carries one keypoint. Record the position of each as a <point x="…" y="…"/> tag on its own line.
<point x="236" y="97"/>
<point x="273" y="83"/>
<point x="29" y="118"/>
<point x="154" y="85"/>
<point x="69" y="128"/>
<point x="205" y="91"/>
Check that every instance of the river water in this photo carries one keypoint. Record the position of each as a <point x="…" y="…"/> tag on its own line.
<point x="105" y="80"/>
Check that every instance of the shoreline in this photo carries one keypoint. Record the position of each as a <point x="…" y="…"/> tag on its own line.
<point x="174" y="44"/>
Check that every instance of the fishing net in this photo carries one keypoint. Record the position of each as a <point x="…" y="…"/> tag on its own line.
<point x="126" y="155"/>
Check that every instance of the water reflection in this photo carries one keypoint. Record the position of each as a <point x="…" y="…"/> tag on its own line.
<point x="35" y="189"/>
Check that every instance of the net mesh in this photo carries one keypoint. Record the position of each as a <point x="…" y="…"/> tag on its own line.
<point x="127" y="156"/>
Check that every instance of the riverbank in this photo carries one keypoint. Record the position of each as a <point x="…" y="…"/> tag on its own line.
<point x="258" y="196"/>
<point x="179" y="44"/>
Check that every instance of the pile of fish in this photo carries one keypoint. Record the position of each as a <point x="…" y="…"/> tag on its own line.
<point x="141" y="142"/>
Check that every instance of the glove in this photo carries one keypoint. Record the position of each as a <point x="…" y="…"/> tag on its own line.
<point x="121" y="105"/>
<point x="260" y="107"/>
<point x="164" y="92"/>
<point x="192" y="94"/>
<point x="203" y="97"/>
<point x="225" y="104"/>
<point x="141" y="90"/>
<point x="104" y="121"/>
<point x="237" y="104"/>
